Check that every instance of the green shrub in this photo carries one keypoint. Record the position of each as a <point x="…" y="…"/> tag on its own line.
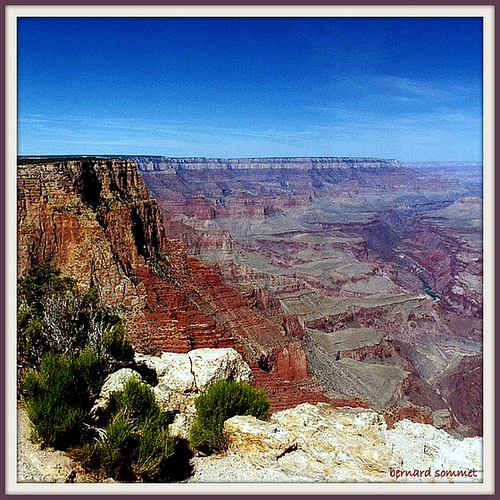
<point x="55" y="316"/>
<point x="58" y="395"/>
<point x="155" y="448"/>
<point x="223" y="400"/>
<point x="136" y="442"/>
<point x="41" y="280"/>
<point x="115" y="349"/>
<point x="137" y="401"/>
<point x="116" y="448"/>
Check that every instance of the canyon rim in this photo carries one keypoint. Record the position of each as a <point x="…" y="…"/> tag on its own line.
<point x="317" y="222"/>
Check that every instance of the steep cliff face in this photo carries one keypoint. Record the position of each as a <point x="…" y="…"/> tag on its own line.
<point x="94" y="219"/>
<point x="163" y="163"/>
<point x="447" y="246"/>
<point x="462" y="388"/>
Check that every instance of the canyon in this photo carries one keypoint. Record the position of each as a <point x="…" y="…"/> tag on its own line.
<point x="377" y="265"/>
<point x="352" y="281"/>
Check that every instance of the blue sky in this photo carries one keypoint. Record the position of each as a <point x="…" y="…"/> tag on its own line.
<point x="405" y="88"/>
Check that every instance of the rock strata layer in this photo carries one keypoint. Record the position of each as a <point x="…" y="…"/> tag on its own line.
<point x="162" y="163"/>
<point x="94" y="219"/>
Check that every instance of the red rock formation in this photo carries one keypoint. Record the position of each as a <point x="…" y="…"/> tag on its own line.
<point x="462" y="388"/>
<point x="70" y="213"/>
<point x="95" y="220"/>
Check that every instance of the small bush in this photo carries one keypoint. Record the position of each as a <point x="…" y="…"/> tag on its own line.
<point x="223" y="400"/>
<point x="116" y="350"/>
<point x="87" y="368"/>
<point x="136" y="442"/>
<point x="116" y="448"/>
<point x="155" y="448"/>
<point x="42" y="280"/>
<point x="136" y="401"/>
<point x="54" y="315"/>
<point x="58" y="395"/>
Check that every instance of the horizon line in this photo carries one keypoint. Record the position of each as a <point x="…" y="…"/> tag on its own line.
<point x="228" y="158"/>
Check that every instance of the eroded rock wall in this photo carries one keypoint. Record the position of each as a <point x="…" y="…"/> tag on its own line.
<point x="94" y="219"/>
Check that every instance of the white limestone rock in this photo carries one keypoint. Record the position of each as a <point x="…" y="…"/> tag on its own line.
<point x="329" y="444"/>
<point x="181" y="405"/>
<point x="423" y="446"/>
<point x="177" y="374"/>
<point x="159" y="364"/>
<point x="196" y="370"/>
<point x="211" y="365"/>
<point x="173" y="370"/>
<point x="114" y="382"/>
<point x="249" y="435"/>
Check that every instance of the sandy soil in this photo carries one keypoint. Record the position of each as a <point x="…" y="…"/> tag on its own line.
<point x="36" y="465"/>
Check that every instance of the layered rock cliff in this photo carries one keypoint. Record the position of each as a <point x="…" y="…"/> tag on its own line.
<point x="94" y="219"/>
<point x="162" y="163"/>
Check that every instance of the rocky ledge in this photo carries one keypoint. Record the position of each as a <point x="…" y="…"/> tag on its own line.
<point x="307" y="443"/>
<point x="318" y="443"/>
<point x="327" y="444"/>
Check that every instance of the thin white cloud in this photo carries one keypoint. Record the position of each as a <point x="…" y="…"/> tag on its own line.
<point x="390" y="93"/>
<point x="334" y="129"/>
<point x="419" y="89"/>
<point x="130" y="130"/>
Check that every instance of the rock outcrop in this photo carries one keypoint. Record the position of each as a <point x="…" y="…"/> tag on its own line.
<point x="94" y="220"/>
<point x="181" y="377"/>
<point x="319" y="443"/>
<point x="329" y="444"/>
<point x="308" y="443"/>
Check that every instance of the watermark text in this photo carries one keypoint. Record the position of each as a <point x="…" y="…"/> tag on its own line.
<point x="399" y="473"/>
